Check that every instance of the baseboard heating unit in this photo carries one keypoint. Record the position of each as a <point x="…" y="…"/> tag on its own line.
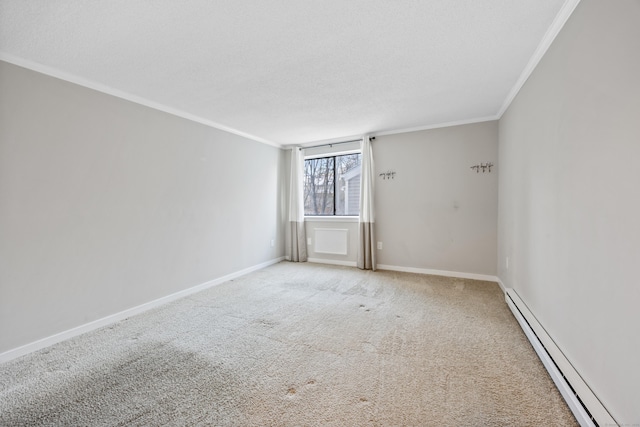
<point x="584" y="404"/>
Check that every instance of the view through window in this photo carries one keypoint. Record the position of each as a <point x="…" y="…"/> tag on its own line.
<point x="332" y="185"/>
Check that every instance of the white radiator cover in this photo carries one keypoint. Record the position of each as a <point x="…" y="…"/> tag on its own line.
<point x="331" y="241"/>
<point x="567" y="379"/>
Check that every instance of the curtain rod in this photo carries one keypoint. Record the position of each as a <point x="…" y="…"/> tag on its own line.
<point x="334" y="143"/>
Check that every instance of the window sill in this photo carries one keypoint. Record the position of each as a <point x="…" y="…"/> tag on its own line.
<point x="331" y="218"/>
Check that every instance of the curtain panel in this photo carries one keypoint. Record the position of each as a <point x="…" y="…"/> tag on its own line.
<point x="366" y="232"/>
<point x="297" y="232"/>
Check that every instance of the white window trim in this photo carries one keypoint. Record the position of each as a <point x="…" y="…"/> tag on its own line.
<point x="331" y="218"/>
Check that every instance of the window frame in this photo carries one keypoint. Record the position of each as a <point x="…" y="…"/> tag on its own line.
<point x="333" y="217"/>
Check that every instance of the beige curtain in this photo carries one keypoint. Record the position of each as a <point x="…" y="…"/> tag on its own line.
<point x="366" y="232"/>
<point x="296" y="208"/>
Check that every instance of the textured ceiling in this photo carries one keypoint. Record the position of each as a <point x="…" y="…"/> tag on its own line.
<point x="289" y="71"/>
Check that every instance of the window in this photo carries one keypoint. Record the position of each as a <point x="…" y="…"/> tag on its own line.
<point x="332" y="185"/>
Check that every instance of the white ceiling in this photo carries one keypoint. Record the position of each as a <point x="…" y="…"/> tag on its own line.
<point x="292" y="71"/>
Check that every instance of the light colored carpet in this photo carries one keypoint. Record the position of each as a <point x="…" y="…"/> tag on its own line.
<point x="297" y="345"/>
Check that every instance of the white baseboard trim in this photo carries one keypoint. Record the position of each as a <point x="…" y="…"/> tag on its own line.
<point x="579" y="397"/>
<point x="439" y="272"/>
<point x="332" y="261"/>
<point x="113" y="318"/>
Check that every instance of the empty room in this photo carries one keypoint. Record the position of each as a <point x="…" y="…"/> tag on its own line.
<point x="319" y="213"/>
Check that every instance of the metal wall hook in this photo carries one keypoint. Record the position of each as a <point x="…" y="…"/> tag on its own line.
<point x="486" y="167"/>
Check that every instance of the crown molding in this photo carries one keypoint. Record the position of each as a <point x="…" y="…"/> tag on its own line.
<point x="435" y="126"/>
<point x="71" y="78"/>
<point x="561" y="18"/>
<point x="558" y="23"/>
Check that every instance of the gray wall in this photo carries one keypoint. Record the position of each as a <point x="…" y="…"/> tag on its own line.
<point x="106" y="204"/>
<point x="437" y="213"/>
<point x="569" y="216"/>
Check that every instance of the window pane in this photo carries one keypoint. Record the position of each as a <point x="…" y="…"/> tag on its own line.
<point x="319" y="186"/>
<point x="326" y="195"/>
<point x="348" y="193"/>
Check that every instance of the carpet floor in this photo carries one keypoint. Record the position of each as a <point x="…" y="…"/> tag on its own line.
<point x="297" y="345"/>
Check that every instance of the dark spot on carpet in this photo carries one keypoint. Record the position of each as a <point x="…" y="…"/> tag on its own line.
<point x="266" y="323"/>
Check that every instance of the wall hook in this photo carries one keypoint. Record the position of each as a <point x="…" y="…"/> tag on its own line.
<point x="486" y="167"/>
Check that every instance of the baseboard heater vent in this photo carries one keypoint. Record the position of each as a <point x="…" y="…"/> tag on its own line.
<point x="584" y="404"/>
